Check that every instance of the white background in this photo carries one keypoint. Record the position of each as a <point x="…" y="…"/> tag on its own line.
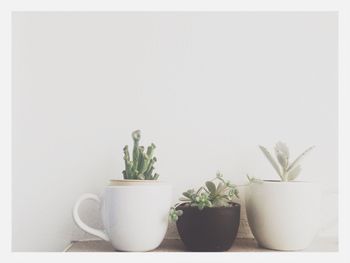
<point x="206" y="88"/>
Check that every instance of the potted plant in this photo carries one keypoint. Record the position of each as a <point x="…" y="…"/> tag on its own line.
<point x="134" y="210"/>
<point x="283" y="214"/>
<point x="208" y="219"/>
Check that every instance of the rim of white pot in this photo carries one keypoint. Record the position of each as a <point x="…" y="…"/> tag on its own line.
<point x="134" y="182"/>
<point x="286" y="182"/>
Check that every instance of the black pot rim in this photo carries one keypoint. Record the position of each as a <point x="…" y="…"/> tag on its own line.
<point x="233" y="205"/>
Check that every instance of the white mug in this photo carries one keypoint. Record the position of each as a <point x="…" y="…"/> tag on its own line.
<point x="134" y="216"/>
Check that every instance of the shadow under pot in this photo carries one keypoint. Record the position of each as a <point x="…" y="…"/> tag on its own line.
<point x="210" y="229"/>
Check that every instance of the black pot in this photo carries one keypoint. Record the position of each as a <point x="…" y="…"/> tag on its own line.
<point x="210" y="229"/>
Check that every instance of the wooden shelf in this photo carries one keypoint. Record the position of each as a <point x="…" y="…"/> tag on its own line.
<point x="176" y="245"/>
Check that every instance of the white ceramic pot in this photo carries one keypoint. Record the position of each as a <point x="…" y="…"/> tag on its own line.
<point x="134" y="214"/>
<point x="283" y="215"/>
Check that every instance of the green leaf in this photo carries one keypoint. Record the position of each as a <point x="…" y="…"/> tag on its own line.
<point x="174" y="214"/>
<point x="254" y="180"/>
<point x="220" y="188"/>
<point x="299" y="158"/>
<point x="211" y="186"/>
<point x="282" y="148"/>
<point x="272" y="161"/>
<point x="188" y="193"/>
<point x="282" y="160"/>
<point x="294" y="173"/>
<point x="219" y="174"/>
<point x="231" y="192"/>
<point x="179" y="212"/>
<point x="236" y="193"/>
<point x="220" y="202"/>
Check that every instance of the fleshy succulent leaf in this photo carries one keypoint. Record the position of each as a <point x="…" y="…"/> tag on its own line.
<point x="219" y="174"/>
<point x="282" y="149"/>
<point x="299" y="158"/>
<point x="174" y="214"/>
<point x="186" y="194"/>
<point x="220" y="188"/>
<point x="211" y="186"/>
<point x="179" y="212"/>
<point x="293" y="174"/>
<point x="254" y="180"/>
<point x="286" y="171"/>
<point x="282" y="160"/>
<point x="211" y="195"/>
<point x="271" y="160"/>
<point x="236" y="193"/>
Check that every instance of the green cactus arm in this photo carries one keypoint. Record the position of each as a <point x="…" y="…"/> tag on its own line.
<point x="126" y="153"/>
<point x="128" y="169"/>
<point x="135" y="164"/>
<point x="136" y="135"/>
<point x="146" y="161"/>
<point x="141" y="159"/>
<point x="127" y="162"/>
<point x="151" y="163"/>
<point x="148" y="174"/>
<point x="134" y="172"/>
<point x="150" y="150"/>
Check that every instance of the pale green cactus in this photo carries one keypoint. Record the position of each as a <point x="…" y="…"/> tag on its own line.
<point x="142" y="164"/>
<point x="286" y="170"/>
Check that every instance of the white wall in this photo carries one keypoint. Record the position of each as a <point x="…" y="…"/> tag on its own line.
<point x="206" y="88"/>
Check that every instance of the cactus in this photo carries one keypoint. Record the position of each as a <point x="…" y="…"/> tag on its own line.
<point x="141" y="166"/>
<point x="287" y="171"/>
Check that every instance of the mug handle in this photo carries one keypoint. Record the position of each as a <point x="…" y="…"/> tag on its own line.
<point x="93" y="231"/>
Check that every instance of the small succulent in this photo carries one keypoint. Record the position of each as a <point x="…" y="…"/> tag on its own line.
<point x="141" y="166"/>
<point x="287" y="170"/>
<point x="174" y="214"/>
<point x="210" y="195"/>
<point x="254" y="180"/>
